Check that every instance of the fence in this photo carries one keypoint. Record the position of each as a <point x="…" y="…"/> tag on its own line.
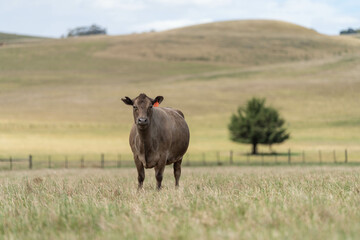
<point x="58" y="161"/>
<point x="214" y="158"/>
<point x="289" y="157"/>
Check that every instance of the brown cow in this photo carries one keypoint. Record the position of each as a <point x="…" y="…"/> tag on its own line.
<point x="159" y="137"/>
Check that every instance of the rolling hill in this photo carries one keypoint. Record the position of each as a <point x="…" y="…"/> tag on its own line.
<point x="63" y="95"/>
<point x="244" y="43"/>
<point x="8" y="38"/>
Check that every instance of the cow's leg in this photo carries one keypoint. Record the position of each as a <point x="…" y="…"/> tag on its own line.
<point x="159" y="170"/>
<point x="141" y="172"/>
<point x="177" y="172"/>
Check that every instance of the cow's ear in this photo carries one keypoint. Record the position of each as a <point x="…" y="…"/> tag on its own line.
<point x="158" y="99"/>
<point x="127" y="101"/>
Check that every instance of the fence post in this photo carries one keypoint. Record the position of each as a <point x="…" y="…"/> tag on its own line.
<point x="119" y="161"/>
<point x="275" y="155"/>
<point x="10" y="163"/>
<point x="66" y="162"/>
<point x="289" y="156"/>
<point x="49" y="161"/>
<point x="334" y="156"/>
<point x="231" y="157"/>
<point x="303" y="156"/>
<point x="346" y="156"/>
<point x="82" y="162"/>
<point x="102" y="161"/>
<point x="320" y="160"/>
<point x="30" y="162"/>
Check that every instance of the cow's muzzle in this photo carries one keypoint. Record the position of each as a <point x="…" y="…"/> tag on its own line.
<point x="142" y="121"/>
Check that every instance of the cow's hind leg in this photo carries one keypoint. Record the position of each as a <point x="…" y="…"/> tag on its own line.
<point x="177" y="172"/>
<point x="141" y="173"/>
<point x="159" y="170"/>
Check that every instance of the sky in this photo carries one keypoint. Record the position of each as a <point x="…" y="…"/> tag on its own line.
<point x="53" y="18"/>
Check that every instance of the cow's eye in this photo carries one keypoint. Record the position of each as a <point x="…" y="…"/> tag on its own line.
<point x="135" y="107"/>
<point x="150" y="107"/>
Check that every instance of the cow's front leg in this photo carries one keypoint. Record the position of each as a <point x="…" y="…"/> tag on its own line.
<point x="159" y="170"/>
<point x="141" y="172"/>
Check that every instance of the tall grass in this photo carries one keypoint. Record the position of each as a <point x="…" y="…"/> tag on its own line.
<point x="211" y="203"/>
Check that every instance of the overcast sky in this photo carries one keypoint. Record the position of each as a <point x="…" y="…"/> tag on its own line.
<point x="53" y="18"/>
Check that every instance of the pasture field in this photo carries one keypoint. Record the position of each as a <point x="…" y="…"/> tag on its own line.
<point x="63" y="96"/>
<point x="211" y="203"/>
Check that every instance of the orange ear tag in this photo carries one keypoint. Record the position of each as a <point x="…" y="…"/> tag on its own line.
<point x="156" y="104"/>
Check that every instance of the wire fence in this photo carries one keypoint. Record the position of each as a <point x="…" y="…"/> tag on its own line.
<point x="212" y="158"/>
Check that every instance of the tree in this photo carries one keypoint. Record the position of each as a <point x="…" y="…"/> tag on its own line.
<point x="257" y="124"/>
<point x="349" y="31"/>
<point x="88" y="30"/>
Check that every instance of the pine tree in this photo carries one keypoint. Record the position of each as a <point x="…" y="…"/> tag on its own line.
<point x="257" y="124"/>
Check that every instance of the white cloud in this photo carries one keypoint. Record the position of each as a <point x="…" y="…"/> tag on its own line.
<point x="169" y="24"/>
<point x="312" y="14"/>
<point x="130" y="5"/>
<point x="206" y="3"/>
<point x="53" y="17"/>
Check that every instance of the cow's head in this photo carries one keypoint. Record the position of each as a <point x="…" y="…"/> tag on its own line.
<point x="142" y="109"/>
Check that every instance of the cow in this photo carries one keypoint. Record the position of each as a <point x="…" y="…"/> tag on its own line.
<point x="159" y="136"/>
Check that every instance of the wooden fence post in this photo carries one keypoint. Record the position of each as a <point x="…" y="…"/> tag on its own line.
<point x="10" y="163"/>
<point x="346" y="156"/>
<point x="119" y="161"/>
<point x="275" y="156"/>
<point x="231" y="157"/>
<point x="82" y="162"/>
<point x="49" y="161"/>
<point x="30" y="162"/>
<point x="203" y="158"/>
<point x="102" y="161"/>
<point x="303" y="156"/>
<point x="289" y="156"/>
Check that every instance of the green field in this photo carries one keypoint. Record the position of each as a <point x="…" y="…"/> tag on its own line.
<point x="211" y="203"/>
<point x="63" y="96"/>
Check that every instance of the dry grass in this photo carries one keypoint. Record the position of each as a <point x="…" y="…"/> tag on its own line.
<point x="212" y="203"/>
<point x="63" y="96"/>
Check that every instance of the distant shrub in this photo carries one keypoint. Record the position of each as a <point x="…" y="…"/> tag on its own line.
<point x="84" y="31"/>
<point x="349" y="31"/>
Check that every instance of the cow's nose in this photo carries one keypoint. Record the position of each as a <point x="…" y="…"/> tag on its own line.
<point x="142" y="121"/>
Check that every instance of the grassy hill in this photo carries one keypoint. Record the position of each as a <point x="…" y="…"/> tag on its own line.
<point x="63" y="96"/>
<point x="244" y="43"/>
<point x="8" y="38"/>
